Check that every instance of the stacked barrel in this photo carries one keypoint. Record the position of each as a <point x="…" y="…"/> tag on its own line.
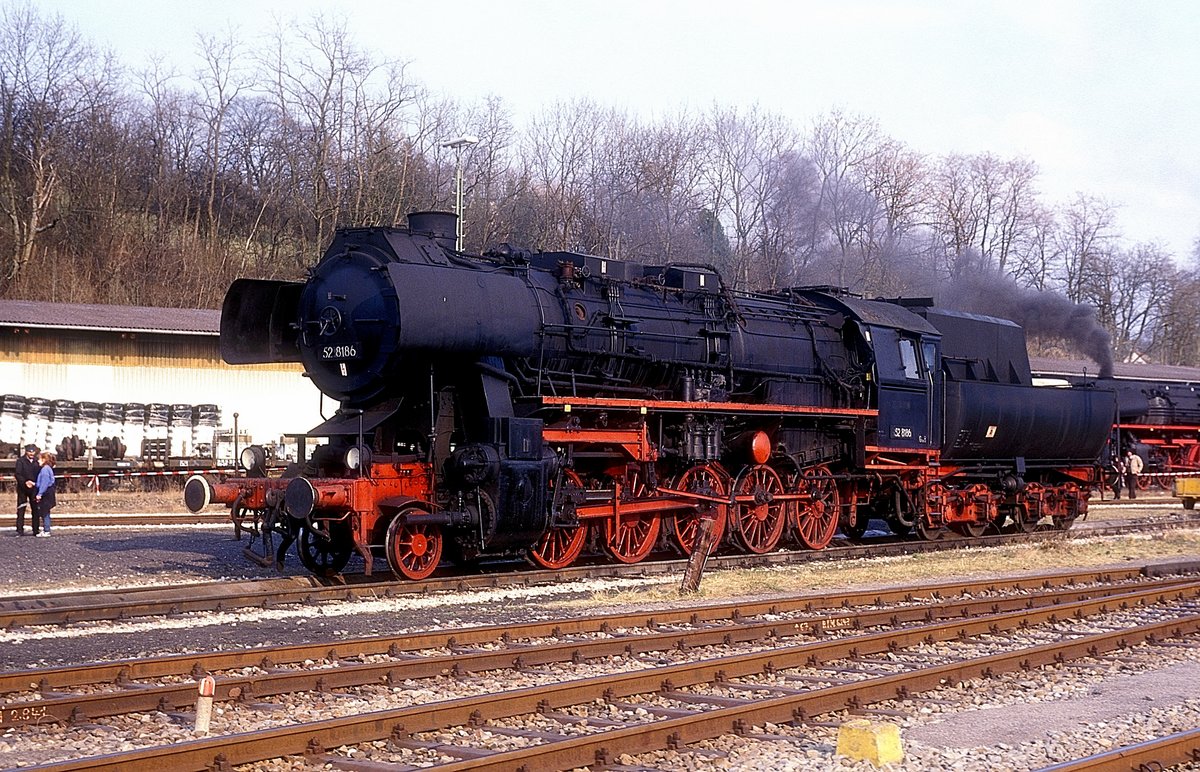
<point x="109" y="430"/>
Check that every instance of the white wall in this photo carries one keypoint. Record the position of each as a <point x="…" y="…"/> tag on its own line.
<point x="269" y="403"/>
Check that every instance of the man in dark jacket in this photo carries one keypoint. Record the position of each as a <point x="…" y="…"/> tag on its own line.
<point x="27" y="473"/>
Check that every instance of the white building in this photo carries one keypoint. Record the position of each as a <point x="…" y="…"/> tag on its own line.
<point x="133" y="354"/>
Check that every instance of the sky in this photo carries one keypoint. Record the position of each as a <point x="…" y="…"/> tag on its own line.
<point x="1104" y="95"/>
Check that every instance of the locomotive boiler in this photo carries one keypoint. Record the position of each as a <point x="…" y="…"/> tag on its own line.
<point x="556" y="404"/>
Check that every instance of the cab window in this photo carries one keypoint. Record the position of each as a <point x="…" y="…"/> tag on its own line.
<point x="909" y="360"/>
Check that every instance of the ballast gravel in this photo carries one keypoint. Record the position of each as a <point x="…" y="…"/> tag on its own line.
<point x="1013" y="722"/>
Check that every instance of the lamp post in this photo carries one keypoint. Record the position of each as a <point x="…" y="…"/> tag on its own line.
<point x="457" y="144"/>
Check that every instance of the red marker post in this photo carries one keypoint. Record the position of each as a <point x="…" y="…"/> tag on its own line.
<point x="204" y="704"/>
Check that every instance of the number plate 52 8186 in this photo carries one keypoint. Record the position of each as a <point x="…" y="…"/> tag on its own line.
<point x="341" y="351"/>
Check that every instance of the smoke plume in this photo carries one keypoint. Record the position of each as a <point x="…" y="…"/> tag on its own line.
<point x="981" y="289"/>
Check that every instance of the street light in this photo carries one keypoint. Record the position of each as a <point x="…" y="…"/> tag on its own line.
<point x="457" y="144"/>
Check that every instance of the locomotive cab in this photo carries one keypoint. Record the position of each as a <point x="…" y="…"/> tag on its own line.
<point x="908" y="382"/>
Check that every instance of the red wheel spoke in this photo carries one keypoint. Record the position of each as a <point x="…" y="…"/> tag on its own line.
<point x="633" y="539"/>
<point x="760" y="521"/>
<point x="817" y="516"/>
<point x="702" y="479"/>
<point x="559" y="547"/>
<point x="414" y="549"/>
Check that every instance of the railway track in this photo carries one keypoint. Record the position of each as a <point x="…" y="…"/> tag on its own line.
<point x="1159" y="754"/>
<point x="135" y="602"/>
<point x="577" y="690"/>
<point x="816" y="614"/>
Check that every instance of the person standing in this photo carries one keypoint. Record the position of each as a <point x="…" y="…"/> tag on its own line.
<point x="1133" y="467"/>
<point x="26" y="474"/>
<point x="45" y="490"/>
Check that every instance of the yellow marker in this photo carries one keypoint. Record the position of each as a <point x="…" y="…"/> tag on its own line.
<point x="878" y="743"/>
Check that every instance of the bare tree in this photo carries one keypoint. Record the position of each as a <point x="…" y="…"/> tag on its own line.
<point x="984" y="203"/>
<point x="489" y="164"/>
<point x="1086" y="233"/>
<point x="894" y="178"/>
<point x="326" y="90"/>
<point x="221" y="81"/>
<point x="748" y="153"/>
<point x="1125" y="288"/>
<point x="844" y="147"/>
<point x="1176" y="338"/>
<point x="1040" y="261"/>
<point x="50" y="80"/>
<point x="559" y="151"/>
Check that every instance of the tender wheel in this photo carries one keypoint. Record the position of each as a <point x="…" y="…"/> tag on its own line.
<point x="972" y="530"/>
<point x="1022" y="521"/>
<point x="929" y="532"/>
<point x="1065" y="508"/>
<point x="759" y="523"/>
<point x="325" y="554"/>
<point x="1189" y="503"/>
<point x="706" y="480"/>
<point x="560" y="547"/>
<point x="817" y="518"/>
<point x="413" y="549"/>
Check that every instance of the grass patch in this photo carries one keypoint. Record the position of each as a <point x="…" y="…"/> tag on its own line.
<point x="879" y="572"/>
<point x="121" y="502"/>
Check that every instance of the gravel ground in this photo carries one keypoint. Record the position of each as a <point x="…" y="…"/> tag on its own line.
<point x="94" y="558"/>
<point x="1018" y="722"/>
<point x="90" y="556"/>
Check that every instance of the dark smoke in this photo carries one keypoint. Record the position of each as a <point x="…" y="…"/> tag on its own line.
<point x="981" y="289"/>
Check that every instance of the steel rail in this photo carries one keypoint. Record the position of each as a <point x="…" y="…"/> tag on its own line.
<point x="78" y="707"/>
<point x="314" y="737"/>
<point x="1161" y="753"/>
<point x="604" y="747"/>
<point x="133" y="602"/>
<point x="84" y="520"/>
<point x="154" y="667"/>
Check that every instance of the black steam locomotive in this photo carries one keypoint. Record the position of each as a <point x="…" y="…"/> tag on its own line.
<point x="1157" y="417"/>
<point x="553" y="404"/>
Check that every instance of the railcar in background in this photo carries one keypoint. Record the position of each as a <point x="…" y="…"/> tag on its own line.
<point x="1157" y="416"/>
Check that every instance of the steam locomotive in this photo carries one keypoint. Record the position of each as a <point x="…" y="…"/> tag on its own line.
<point x="1157" y="416"/>
<point x="558" y="404"/>
<point x="1159" y="420"/>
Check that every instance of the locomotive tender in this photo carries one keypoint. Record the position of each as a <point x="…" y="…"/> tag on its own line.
<point x="554" y="403"/>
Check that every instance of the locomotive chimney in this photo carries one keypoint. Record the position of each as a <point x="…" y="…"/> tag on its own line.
<point x="441" y="226"/>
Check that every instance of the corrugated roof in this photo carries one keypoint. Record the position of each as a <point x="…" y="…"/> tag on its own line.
<point x="1041" y="365"/>
<point x="83" y="316"/>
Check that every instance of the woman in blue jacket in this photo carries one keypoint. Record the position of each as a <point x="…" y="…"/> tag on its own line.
<point x="45" y="490"/>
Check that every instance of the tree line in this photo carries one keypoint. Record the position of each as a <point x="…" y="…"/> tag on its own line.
<point x="154" y="188"/>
